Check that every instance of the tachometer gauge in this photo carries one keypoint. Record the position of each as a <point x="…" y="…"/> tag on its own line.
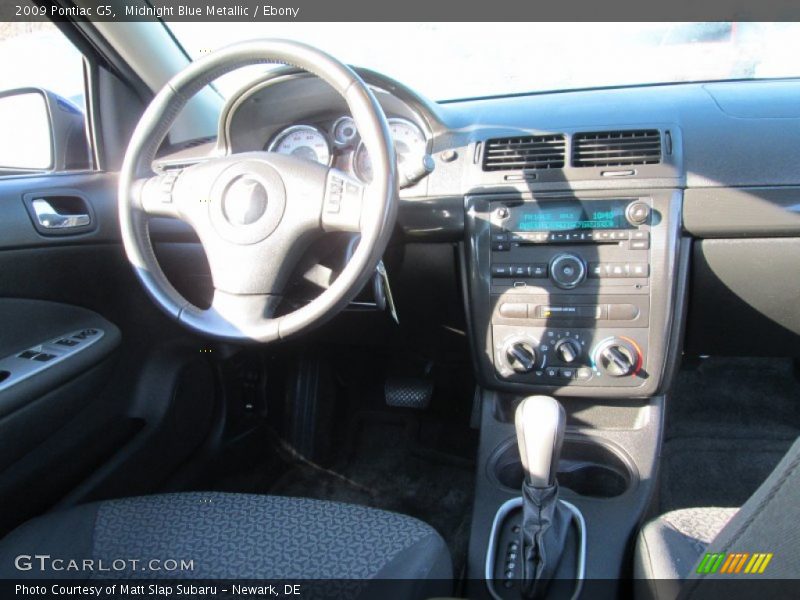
<point x="344" y="131"/>
<point x="303" y="141"/>
<point x="410" y="146"/>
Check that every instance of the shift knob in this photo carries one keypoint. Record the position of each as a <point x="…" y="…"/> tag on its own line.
<point x="540" y="422"/>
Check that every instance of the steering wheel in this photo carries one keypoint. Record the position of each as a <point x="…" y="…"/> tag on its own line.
<point x="257" y="212"/>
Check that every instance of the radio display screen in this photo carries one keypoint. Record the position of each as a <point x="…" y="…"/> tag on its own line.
<point x="569" y="215"/>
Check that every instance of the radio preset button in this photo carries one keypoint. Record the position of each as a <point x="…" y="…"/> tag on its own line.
<point x="538" y="270"/>
<point x="640" y="244"/>
<point x="519" y="270"/>
<point x="618" y="270"/>
<point x="499" y="237"/>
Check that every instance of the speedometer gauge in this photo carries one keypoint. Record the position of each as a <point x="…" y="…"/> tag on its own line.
<point x="303" y="141"/>
<point x="410" y="146"/>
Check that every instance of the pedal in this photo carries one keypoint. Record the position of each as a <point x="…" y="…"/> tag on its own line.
<point x="408" y="392"/>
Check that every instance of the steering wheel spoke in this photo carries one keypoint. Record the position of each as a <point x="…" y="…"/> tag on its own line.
<point x="235" y="316"/>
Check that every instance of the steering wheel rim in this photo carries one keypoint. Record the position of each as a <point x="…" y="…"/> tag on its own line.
<point x="243" y="310"/>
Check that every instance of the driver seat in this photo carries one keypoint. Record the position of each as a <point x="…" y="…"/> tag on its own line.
<point x="234" y="536"/>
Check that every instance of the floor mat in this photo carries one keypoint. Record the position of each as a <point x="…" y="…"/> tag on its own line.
<point x="387" y="470"/>
<point x="729" y="422"/>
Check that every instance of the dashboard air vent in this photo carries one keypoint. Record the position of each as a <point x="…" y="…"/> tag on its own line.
<point x="528" y="152"/>
<point x="616" y="148"/>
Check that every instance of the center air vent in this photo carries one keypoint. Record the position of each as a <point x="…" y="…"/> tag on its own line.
<point x="616" y="148"/>
<point x="529" y="152"/>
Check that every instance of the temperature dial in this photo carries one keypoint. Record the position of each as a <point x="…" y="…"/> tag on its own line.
<point x="617" y="357"/>
<point x="521" y="356"/>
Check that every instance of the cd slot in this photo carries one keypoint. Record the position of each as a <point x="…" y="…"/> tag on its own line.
<point x="525" y="238"/>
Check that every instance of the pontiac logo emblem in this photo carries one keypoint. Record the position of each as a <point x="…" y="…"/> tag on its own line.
<point x="244" y="202"/>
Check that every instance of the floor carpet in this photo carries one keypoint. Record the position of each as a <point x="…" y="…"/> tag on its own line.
<point x="729" y="422"/>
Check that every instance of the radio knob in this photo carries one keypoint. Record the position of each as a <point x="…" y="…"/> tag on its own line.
<point x="567" y="270"/>
<point x="617" y="357"/>
<point x="637" y="213"/>
<point x="568" y="350"/>
<point x="521" y="356"/>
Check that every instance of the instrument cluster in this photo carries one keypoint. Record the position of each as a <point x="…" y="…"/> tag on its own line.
<point x="337" y="143"/>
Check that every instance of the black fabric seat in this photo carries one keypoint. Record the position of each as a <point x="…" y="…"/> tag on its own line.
<point x="238" y="536"/>
<point x="671" y="547"/>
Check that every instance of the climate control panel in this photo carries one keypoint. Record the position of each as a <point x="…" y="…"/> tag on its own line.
<point x="574" y="356"/>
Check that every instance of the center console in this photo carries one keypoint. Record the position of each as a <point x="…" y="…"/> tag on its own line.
<point x="579" y="296"/>
<point x="573" y="294"/>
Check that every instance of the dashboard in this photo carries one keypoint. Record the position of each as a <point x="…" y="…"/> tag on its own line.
<point x="567" y="288"/>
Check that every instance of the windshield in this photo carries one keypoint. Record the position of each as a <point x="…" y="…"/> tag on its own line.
<point x="447" y="61"/>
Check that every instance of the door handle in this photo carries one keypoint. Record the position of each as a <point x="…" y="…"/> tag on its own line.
<point x="49" y="217"/>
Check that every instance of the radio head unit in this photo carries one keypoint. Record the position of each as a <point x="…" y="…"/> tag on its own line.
<point x="568" y="215"/>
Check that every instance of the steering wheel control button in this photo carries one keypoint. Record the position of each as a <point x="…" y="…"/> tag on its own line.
<point x="637" y="213"/>
<point x="245" y="201"/>
<point x="335" y="192"/>
<point x="567" y="271"/>
<point x="343" y="202"/>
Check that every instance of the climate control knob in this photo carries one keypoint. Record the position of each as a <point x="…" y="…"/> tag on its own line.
<point x="568" y="350"/>
<point x="567" y="270"/>
<point x="521" y="356"/>
<point x="617" y="357"/>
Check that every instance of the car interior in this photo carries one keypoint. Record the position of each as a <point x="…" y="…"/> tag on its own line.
<point x="535" y="345"/>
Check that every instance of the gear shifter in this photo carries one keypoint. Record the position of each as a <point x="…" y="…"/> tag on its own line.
<point x="540" y="422"/>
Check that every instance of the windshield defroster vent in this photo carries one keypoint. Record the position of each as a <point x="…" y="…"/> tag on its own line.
<point x="528" y="152"/>
<point x="616" y="148"/>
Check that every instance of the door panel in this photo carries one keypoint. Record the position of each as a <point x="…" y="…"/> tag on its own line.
<point x="123" y="413"/>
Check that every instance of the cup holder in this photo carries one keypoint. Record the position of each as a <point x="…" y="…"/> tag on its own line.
<point x="586" y="467"/>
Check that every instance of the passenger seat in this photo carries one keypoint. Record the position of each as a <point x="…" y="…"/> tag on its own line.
<point x="671" y="548"/>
